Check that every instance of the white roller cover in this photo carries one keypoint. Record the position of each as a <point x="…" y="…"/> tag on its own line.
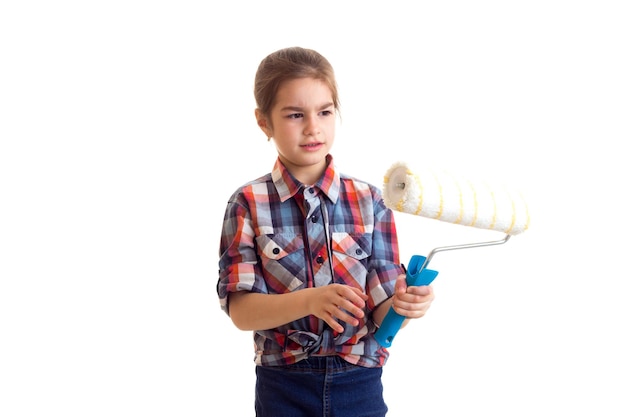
<point x="444" y="196"/>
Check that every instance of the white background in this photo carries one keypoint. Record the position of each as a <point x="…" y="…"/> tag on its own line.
<point x="125" y="126"/>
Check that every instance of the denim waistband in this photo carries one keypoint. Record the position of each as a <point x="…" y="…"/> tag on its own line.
<point x="331" y="363"/>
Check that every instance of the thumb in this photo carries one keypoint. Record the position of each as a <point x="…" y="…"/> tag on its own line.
<point x="401" y="284"/>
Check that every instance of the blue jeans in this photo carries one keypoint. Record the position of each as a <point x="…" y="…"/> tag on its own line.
<point x="321" y="386"/>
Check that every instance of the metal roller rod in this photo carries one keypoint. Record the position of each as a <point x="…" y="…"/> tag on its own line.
<point x="463" y="246"/>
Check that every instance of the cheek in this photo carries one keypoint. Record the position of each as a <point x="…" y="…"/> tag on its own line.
<point x="330" y="132"/>
<point x="280" y="131"/>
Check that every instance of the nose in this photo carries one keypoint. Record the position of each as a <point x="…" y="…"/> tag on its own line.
<point x="312" y="127"/>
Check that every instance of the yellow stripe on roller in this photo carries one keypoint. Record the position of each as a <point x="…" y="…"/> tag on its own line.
<point x="527" y="214"/>
<point x="460" y="216"/>
<point x="438" y="216"/>
<point x="495" y="210"/>
<point x="514" y="216"/>
<point x="420" y="204"/>
<point x="473" y="222"/>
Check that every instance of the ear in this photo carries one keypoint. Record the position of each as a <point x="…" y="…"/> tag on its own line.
<point x="263" y="123"/>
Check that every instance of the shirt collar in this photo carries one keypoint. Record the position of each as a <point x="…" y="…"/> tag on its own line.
<point x="288" y="186"/>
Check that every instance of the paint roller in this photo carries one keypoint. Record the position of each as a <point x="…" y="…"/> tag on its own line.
<point x="446" y="197"/>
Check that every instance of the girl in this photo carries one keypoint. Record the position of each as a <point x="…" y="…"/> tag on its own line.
<point x="309" y="257"/>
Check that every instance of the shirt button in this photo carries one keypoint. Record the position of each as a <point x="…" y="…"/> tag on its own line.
<point x="311" y="190"/>
<point x="275" y="251"/>
<point x="320" y="260"/>
<point x="314" y="219"/>
<point x="359" y="251"/>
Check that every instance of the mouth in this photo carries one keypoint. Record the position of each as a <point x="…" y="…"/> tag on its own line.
<point x="312" y="146"/>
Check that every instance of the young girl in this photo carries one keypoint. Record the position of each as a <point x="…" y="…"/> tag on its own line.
<point x="309" y="257"/>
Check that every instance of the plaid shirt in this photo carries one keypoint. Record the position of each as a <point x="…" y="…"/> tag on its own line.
<point x="274" y="241"/>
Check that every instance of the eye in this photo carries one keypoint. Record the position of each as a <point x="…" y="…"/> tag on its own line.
<point x="295" y="116"/>
<point x="326" y="112"/>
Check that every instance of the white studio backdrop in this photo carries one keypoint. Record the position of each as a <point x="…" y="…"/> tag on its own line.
<point x="125" y="127"/>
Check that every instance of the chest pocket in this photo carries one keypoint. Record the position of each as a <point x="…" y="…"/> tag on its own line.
<point x="351" y="254"/>
<point x="283" y="262"/>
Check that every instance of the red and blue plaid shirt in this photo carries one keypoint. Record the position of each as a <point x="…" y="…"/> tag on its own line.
<point x="274" y="241"/>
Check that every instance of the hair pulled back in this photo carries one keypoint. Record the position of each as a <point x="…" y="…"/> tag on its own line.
<point x="288" y="64"/>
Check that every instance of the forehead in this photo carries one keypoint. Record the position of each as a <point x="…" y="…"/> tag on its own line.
<point x="302" y="92"/>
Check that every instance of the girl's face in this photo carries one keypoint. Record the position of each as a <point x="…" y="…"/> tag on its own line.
<point x="303" y="127"/>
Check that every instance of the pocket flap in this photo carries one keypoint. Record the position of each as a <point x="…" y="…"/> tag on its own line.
<point x="276" y="247"/>
<point x="355" y="246"/>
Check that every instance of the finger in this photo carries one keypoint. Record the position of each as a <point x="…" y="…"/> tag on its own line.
<point x="420" y="290"/>
<point x="410" y="310"/>
<point x="349" y="312"/>
<point x="338" y="314"/>
<point x="334" y="324"/>
<point x="354" y="296"/>
<point x="410" y="302"/>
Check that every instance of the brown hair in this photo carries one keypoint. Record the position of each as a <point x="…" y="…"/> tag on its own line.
<point x="288" y="64"/>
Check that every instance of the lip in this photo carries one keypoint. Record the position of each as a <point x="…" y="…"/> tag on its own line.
<point x="313" y="146"/>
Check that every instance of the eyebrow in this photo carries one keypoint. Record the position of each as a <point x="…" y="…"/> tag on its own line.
<point x="296" y="108"/>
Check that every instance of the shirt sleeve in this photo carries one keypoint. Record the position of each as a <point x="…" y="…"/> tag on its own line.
<point x="385" y="259"/>
<point x="239" y="269"/>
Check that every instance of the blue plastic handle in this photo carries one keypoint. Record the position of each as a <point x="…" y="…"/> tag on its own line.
<point x="392" y="322"/>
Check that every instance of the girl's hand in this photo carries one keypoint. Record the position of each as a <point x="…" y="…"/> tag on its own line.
<point x="412" y="302"/>
<point x="338" y="302"/>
